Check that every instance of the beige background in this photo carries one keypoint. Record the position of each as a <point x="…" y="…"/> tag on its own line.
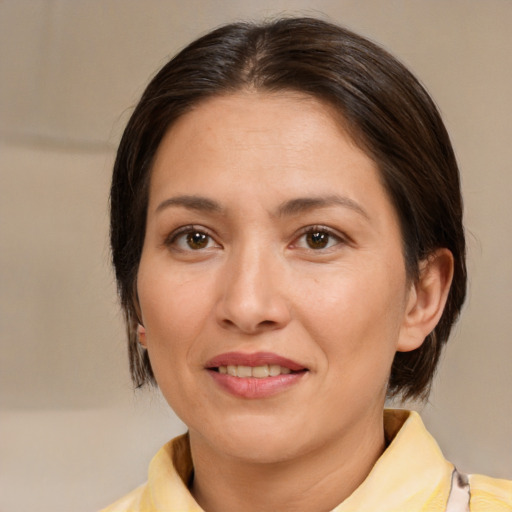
<point x="73" y="434"/>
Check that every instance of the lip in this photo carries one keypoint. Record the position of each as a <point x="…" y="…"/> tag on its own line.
<point x="255" y="359"/>
<point x="251" y="387"/>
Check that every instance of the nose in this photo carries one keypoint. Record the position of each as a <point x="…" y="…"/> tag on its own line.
<point x="253" y="294"/>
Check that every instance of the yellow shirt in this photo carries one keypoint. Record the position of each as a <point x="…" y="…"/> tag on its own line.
<point x="411" y="476"/>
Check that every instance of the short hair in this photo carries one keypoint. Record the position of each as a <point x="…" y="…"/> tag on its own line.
<point x="387" y="112"/>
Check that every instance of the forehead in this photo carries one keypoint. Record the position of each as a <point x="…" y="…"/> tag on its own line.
<point x="249" y="116"/>
<point x="288" y="141"/>
<point x="280" y="131"/>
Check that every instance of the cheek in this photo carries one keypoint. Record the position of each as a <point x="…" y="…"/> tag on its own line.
<point x="166" y="296"/>
<point x="173" y="311"/>
<point x="352" y="312"/>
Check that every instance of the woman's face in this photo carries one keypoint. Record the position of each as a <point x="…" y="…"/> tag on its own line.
<point x="272" y="283"/>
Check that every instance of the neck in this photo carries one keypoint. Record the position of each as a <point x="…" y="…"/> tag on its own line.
<point x="317" y="480"/>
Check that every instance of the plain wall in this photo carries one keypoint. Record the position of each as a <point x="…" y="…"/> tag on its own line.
<point x="73" y="433"/>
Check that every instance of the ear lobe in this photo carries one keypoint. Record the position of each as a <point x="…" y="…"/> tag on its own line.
<point x="426" y="300"/>
<point x="141" y="334"/>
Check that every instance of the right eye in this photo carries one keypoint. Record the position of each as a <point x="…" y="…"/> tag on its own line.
<point x="191" y="239"/>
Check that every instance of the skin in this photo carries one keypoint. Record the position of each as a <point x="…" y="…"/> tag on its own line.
<point x="257" y="284"/>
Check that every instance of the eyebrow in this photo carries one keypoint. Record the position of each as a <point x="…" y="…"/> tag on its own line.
<point x="305" y="204"/>
<point x="292" y="207"/>
<point x="199" y="203"/>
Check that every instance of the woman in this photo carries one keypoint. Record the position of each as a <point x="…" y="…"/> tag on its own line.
<point x="288" y="244"/>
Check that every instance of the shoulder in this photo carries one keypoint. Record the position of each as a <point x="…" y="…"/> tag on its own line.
<point x="135" y="501"/>
<point x="166" y="487"/>
<point x="490" y="494"/>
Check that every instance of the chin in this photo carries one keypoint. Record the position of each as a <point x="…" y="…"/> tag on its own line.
<point x="264" y="442"/>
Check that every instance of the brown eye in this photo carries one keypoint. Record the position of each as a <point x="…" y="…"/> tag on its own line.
<point x="197" y="240"/>
<point x="191" y="239"/>
<point x="317" y="239"/>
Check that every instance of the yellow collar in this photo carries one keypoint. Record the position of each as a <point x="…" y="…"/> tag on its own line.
<point x="410" y="476"/>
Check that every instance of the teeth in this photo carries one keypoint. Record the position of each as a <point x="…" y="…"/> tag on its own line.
<point x="274" y="369"/>
<point x="243" y="371"/>
<point x="259" y="372"/>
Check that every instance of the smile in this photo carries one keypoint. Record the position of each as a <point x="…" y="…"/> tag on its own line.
<point x="258" y="372"/>
<point x="259" y="375"/>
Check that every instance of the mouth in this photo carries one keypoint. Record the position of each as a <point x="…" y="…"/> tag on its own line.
<point x="259" y="365"/>
<point x="258" y="372"/>
<point x="257" y="375"/>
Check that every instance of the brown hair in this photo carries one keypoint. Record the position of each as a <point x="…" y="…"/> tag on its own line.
<point x="388" y="113"/>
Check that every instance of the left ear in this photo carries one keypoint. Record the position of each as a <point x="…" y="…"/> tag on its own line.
<point x="141" y="335"/>
<point x="426" y="300"/>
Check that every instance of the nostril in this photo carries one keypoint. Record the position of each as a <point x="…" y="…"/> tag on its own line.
<point x="268" y="323"/>
<point x="248" y="326"/>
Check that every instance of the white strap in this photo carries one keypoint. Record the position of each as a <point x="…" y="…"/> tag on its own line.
<point x="458" y="500"/>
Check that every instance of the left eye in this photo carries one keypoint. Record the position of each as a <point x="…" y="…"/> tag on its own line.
<point x="192" y="240"/>
<point x="197" y="240"/>
<point x="317" y="239"/>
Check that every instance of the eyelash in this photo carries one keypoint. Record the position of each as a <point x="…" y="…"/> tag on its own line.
<point x="173" y="239"/>
<point x="332" y="236"/>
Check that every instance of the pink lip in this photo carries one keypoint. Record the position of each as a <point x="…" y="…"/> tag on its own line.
<point x="256" y="359"/>
<point x="252" y="387"/>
